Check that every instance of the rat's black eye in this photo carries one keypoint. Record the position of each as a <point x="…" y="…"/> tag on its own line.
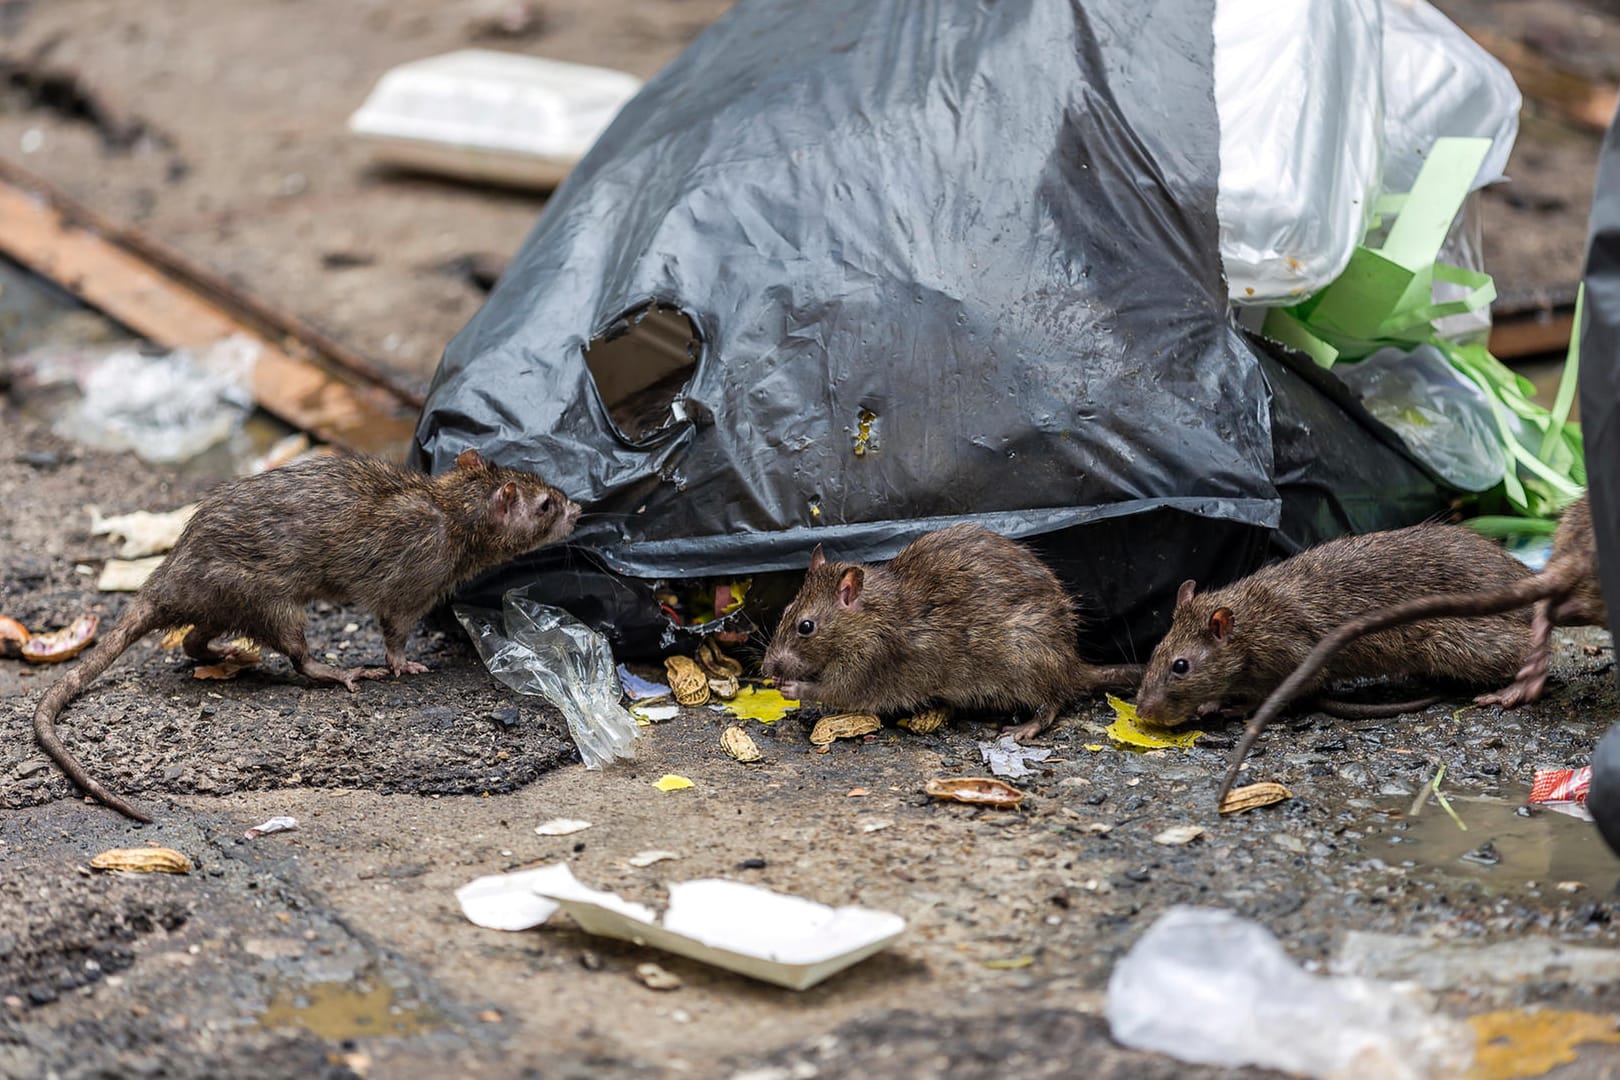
<point x="545" y="503"/>
<point x="1180" y="667"/>
<point x="807" y="627"/>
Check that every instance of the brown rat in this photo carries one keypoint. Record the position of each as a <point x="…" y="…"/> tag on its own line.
<point x="962" y="618"/>
<point x="1565" y="593"/>
<point x="1228" y="649"/>
<point x="344" y="529"/>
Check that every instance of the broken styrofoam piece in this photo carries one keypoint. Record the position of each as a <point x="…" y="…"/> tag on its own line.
<point x="773" y="937"/>
<point x="561" y="827"/>
<point x="509" y="901"/>
<point x="142" y="532"/>
<point x="481" y="114"/>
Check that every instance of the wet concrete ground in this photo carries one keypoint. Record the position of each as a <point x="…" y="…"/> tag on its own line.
<point x="340" y="946"/>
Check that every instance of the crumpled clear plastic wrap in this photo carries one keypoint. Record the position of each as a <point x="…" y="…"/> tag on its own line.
<point x="1308" y="141"/>
<point x="546" y="652"/>
<point x="1439" y="413"/>
<point x="164" y="406"/>
<point x="1207" y="986"/>
<point x="1302" y="137"/>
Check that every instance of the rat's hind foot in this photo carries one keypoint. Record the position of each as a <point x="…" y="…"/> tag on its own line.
<point x="401" y="666"/>
<point x="1025" y="732"/>
<point x="316" y="671"/>
<point x="1528" y="686"/>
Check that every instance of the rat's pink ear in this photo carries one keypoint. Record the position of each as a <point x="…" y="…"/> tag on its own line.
<point x="501" y="502"/>
<point x="1184" y="593"/>
<point x="1220" y="622"/>
<point x="817" y="559"/>
<point x="849" y="588"/>
<point x="470" y="459"/>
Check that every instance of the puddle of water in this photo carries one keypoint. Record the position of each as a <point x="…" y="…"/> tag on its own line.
<point x="1544" y="847"/>
<point x="341" y="1010"/>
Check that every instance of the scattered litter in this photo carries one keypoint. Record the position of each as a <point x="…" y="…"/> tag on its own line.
<point x="1179" y="835"/>
<point x="63" y="644"/>
<point x="143" y="860"/>
<point x="1128" y="730"/>
<point x="1011" y="963"/>
<point x="127" y="575"/>
<point x="13" y="636"/>
<point x="760" y="703"/>
<point x="1208" y="987"/>
<point x="546" y="652"/>
<point x="561" y="827"/>
<point x="638" y="689"/>
<point x="509" y="901"/>
<point x="485" y="115"/>
<point x="1442" y="965"/>
<point x="977" y="790"/>
<point x="1563" y="790"/>
<point x="647" y="858"/>
<point x="926" y="722"/>
<point x="857" y="792"/>
<point x="723" y="688"/>
<point x="1095" y="747"/>
<point x="655" y="714"/>
<point x="843" y="726"/>
<point x="686" y="679"/>
<point x="167" y="406"/>
<point x="143" y="533"/>
<point x="1513" y="1043"/>
<point x="274" y="825"/>
<point x="654" y="977"/>
<point x="1253" y="796"/>
<point x="490" y="1016"/>
<point x="775" y="937"/>
<point x="240" y="655"/>
<point x="876" y="826"/>
<point x="1008" y="757"/>
<point x="671" y="782"/>
<point x="737" y="743"/>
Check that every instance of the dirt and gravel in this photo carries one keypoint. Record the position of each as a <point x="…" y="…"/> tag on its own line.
<point x="339" y="950"/>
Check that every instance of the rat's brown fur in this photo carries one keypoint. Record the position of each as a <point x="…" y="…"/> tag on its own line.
<point x="1566" y="592"/>
<point x="347" y="530"/>
<point x="962" y="618"/>
<point x="1238" y="643"/>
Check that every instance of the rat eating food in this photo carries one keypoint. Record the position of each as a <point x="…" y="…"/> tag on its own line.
<point x="961" y="617"/>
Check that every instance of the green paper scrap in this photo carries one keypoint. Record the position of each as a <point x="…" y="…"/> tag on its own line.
<point x="1385" y="297"/>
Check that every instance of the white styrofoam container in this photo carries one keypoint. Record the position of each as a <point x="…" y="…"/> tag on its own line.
<point x="479" y="114"/>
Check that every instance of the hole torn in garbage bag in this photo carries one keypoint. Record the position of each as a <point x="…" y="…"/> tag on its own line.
<point x="640" y="365"/>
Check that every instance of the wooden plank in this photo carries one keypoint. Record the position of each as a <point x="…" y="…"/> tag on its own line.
<point x="1586" y="104"/>
<point x="169" y="313"/>
<point x="1532" y="335"/>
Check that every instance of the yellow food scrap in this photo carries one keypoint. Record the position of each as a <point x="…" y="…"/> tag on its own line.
<point x="1129" y="730"/>
<point x="146" y="860"/>
<point x="843" y="726"/>
<point x="757" y="703"/>
<point x="927" y="721"/>
<point x="1512" y="1043"/>
<point x="1012" y="963"/>
<point x="671" y="782"/>
<point x="1247" y="798"/>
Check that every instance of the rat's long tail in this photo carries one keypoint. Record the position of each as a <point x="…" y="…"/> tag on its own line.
<point x="1556" y="578"/>
<point x="138" y="621"/>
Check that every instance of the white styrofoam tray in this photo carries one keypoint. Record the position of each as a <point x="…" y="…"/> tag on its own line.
<point x="481" y="114"/>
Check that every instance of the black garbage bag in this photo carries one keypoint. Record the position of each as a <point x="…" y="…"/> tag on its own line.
<point x="1600" y="428"/>
<point x="848" y="272"/>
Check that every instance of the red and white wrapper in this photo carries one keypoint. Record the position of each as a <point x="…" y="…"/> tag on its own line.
<point x="1563" y="790"/>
